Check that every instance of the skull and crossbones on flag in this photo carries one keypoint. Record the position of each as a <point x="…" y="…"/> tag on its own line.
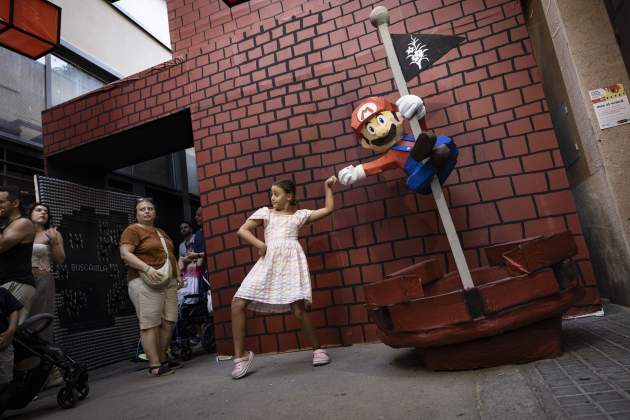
<point x="418" y="52"/>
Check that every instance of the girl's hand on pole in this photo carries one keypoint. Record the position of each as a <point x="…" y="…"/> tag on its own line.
<point x="330" y="181"/>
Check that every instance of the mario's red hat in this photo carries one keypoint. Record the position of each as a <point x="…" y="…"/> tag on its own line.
<point x="367" y="108"/>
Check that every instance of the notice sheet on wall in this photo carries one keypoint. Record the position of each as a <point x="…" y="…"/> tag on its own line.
<point x="611" y="105"/>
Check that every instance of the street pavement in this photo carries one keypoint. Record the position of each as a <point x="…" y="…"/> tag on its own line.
<point x="372" y="381"/>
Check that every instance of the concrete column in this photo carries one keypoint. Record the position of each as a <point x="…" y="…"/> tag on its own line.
<point x="578" y="34"/>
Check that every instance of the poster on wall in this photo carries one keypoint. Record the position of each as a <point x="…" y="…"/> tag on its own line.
<point x="611" y="105"/>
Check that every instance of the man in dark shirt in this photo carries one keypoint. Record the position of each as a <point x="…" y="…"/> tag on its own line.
<point x="9" y="307"/>
<point x="199" y="251"/>
<point x="199" y="246"/>
<point x="16" y="248"/>
<point x="185" y="229"/>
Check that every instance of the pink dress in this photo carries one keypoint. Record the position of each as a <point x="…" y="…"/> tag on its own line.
<point x="281" y="277"/>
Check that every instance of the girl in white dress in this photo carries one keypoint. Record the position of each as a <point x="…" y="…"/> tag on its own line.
<point x="279" y="281"/>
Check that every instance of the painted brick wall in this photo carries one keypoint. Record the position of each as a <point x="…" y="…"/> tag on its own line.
<point x="271" y="86"/>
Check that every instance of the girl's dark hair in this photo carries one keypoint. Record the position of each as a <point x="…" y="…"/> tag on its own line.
<point x="288" y="187"/>
<point x="32" y="208"/>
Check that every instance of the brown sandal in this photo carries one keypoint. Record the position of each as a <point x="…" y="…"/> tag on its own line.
<point x="160" y="370"/>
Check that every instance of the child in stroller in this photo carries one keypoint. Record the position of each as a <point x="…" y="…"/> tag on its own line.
<point x="194" y="323"/>
<point x="34" y="351"/>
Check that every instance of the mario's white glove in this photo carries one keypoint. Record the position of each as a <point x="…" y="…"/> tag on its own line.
<point x="411" y="106"/>
<point x="351" y="174"/>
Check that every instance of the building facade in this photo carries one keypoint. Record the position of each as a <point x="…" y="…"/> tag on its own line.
<point x="90" y="56"/>
<point x="265" y="90"/>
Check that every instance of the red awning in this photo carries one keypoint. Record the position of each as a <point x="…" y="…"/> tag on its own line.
<point x="29" y="27"/>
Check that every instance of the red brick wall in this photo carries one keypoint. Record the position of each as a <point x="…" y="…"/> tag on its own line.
<point x="271" y="86"/>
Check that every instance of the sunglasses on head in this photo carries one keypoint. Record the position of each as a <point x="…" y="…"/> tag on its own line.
<point x="149" y="199"/>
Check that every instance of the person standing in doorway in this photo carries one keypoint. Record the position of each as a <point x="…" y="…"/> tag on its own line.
<point x="185" y="229"/>
<point x="142" y="248"/>
<point x="16" y="248"/>
<point x="199" y="246"/>
<point x="198" y="253"/>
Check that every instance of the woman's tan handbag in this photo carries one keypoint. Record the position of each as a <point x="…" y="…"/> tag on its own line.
<point x="165" y="271"/>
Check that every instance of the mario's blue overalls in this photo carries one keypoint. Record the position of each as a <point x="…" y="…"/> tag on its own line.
<point x="421" y="173"/>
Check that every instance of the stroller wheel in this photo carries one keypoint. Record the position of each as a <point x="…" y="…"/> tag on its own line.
<point x="67" y="397"/>
<point x="83" y="390"/>
<point x="186" y="353"/>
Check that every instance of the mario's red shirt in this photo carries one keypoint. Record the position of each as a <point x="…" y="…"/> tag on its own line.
<point x="390" y="160"/>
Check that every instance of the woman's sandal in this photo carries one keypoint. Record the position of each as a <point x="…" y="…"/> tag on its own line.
<point x="160" y="370"/>
<point x="172" y="364"/>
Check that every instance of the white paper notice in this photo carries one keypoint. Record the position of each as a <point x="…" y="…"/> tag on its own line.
<point x="611" y="106"/>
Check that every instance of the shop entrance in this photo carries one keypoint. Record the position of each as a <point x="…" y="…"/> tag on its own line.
<point x="152" y="160"/>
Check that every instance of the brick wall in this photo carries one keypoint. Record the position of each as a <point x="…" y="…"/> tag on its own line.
<point x="271" y="86"/>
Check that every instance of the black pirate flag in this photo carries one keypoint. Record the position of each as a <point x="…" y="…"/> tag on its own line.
<point x="417" y="52"/>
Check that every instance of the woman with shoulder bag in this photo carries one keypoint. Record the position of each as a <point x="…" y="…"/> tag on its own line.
<point x="153" y="279"/>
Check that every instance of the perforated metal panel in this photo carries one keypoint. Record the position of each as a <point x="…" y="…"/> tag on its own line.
<point x="94" y="318"/>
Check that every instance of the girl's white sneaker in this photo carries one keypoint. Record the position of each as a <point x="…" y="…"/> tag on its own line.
<point x="242" y="365"/>
<point x="320" y="357"/>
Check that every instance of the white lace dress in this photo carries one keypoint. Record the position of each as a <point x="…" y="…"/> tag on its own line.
<point x="281" y="277"/>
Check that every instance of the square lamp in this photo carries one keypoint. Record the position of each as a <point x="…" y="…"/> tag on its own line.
<point x="29" y="27"/>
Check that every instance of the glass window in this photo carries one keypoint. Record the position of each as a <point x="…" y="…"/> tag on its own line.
<point x="157" y="171"/>
<point x="191" y="171"/>
<point x="152" y="15"/>
<point x="68" y="81"/>
<point x="22" y="96"/>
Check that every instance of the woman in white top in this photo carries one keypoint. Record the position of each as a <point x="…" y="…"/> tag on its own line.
<point x="47" y="248"/>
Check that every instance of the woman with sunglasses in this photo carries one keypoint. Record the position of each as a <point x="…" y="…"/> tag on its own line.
<point x="142" y="249"/>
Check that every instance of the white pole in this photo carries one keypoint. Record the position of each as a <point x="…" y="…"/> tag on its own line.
<point x="380" y="19"/>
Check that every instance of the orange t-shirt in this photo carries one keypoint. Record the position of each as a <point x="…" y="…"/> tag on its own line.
<point x="148" y="248"/>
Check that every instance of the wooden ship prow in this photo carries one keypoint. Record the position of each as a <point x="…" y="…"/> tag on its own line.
<point x="524" y="291"/>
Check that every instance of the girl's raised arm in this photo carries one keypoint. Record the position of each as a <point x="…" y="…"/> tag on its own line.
<point x="329" y="204"/>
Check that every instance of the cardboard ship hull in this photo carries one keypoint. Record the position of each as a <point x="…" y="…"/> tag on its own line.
<point x="524" y="291"/>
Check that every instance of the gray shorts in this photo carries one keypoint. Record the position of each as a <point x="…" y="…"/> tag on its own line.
<point x="6" y="365"/>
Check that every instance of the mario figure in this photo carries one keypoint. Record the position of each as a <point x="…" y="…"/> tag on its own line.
<point x="379" y="126"/>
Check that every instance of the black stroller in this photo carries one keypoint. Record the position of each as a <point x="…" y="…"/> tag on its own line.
<point x="191" y="315"/>
<point x="28" y="383"/>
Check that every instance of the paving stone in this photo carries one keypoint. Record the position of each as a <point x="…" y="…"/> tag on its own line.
<point x="592" y="378"/>
<point x="585" y="380"/>
<point x="624" y="385"/>
<point x="578" y="371"/>
<point x="555" y="383"/>
<point x="573" y="400"/>
<point x="582" y="410"/>
<point x="618" y="377"/>
<point x="615" y="406"/>
<point x="550" y="370"/>
<point x="596" y="387"/>
<point x="606" y="396"/>
<point x="568" y="390"/>
<point x="553" y="375"/>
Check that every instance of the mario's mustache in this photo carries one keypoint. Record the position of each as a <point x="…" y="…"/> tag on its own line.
<point x="384" y="140"/>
